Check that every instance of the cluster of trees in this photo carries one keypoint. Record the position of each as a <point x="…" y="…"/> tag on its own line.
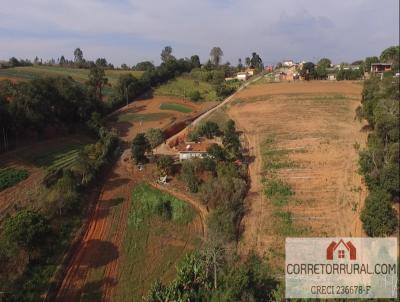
<point x="210" y="275"/>
<point x="28" y="108"/>
<point x="379" y="163"/>
<point x="214" y="273"/>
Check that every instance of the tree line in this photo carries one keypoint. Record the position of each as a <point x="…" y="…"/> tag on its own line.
<point x="379" y="162"/>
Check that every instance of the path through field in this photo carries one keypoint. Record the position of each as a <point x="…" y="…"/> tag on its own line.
<point x="312" y="122"/>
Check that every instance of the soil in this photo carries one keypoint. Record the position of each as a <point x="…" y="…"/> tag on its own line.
<point x="101" y="245"/>
<point x="318" y="119"/>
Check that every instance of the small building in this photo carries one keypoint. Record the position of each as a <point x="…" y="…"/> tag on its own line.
<point x="192" y="150"/>
<point x="288" y="63"/>
<point x="251" y="71"/>
<point x="379" y="68"/>
<point x="332" y="77"/>
<point x="242" y="76"/>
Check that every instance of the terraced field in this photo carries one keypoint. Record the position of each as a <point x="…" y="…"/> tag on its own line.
<point x="64" y="157"/>
<point x="175" y="107"/>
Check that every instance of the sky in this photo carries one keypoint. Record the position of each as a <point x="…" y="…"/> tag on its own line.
<point x="130" y="31"/>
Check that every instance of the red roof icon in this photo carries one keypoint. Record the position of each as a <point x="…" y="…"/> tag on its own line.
<point x="349" y="247"/>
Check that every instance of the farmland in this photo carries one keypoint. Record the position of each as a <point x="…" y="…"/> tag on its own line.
<point x="184" y="86"/>
<point x="78" y="74"/>
<point x="10" y="176"/>
<point x="302" y="136"/>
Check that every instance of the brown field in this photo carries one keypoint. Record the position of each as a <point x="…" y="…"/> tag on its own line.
<point x="313" y="122"/>
<point x="147" y="108"/>
<point x="98" y="258"/>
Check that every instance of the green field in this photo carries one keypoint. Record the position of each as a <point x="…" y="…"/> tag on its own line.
<point x="10" y="177"/>
<point x="157" y="237"/>
<point x="78" y="74"/>
<point x="57" y="158"/>
<point x="175" y="107"/>
<point x="183" y="86"/>
<point x="146" y="117"/>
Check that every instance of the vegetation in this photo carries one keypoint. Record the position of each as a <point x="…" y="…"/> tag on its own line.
<point x="175" y="107"/>
<point x="140" y="145"/>
<point x="165" y="164"/>
<point x="148" y="201"/>
<point x="379" y="162"/>
<point x="10" y="177"/>
<point x="155" y="137"/>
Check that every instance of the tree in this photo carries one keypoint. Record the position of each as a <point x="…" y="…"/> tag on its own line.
<point x="324" y="62"/>
<point x="97" y="80"/>
<point x="217" y="152"/>
<point x="102" y="62"/>
<point x="195" y="96"/>
<point x="216" y="53"/>
<point x="256" y="62"/>
<point x="308" y="71"/>
<point x="62" y="61"/>
<point x="391" y="55"/>
<point x="144" y="66"/>
<point x="195" y="61"/>
<point x="240" y="65"/>
<point x="369" y="61"/>
<point x="378" y="216"/>
<point x="78" y="55"/>
<point x="188" y="175"/>
<point x="139" y="147"/>
<point x="28" y="229"/>
<point x="165" y="164"/>
<point x="155" y="137"/>
<point x="166" y="54"/>
<point x="208" y="129"/>
<point x="231" y="139"/>
<point x="247" y="61"/>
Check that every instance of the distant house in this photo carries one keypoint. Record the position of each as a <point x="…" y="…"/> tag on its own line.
<point x="192" y="150"/>
<point x="332" y="77"/>
<point x="379" y="68"/>
<point x="269" y="68"/>
<point x="242" y="76"/>
<point x="251" y="71"/>
<point x="288" y="63"/>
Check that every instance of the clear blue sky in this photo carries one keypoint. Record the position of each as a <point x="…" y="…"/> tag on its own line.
<point x="128" y="31"/>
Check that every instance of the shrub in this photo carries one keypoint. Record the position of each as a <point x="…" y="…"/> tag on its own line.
<point x="10" y="177"/>
<point x="217" y="152"/>
<point x="195" y="96"/>
<point x="208" y="129"/>
<point x="155" y="137"/>
<point x="221" y="223"/>
<point x="164" y="164"/>
<point x="188" y="175"/>
<point x="139" y="147"/>
<point x="378" y="216"/>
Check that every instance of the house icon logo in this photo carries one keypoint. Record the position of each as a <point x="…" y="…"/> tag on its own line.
<point x="341" y="250"/>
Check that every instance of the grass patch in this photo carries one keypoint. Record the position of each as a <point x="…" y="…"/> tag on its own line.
<point x="10" y="177"/>
<point x="148" y="201"/>
<point x="184" y="86"/>
<point x="275" y="159"/>
<point x="175" y="107"/>
<point x="154" y="242"/>
<point x="146" y="117"/>
<point x="276" y="187"/>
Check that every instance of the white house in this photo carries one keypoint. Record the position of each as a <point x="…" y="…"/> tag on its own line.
<point x="192" y="150"/>
<point x="242" y="76"/>
<point x="288" y="63"/>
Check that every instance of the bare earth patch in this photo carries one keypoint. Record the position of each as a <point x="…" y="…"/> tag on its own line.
<point x="313" y="122"/>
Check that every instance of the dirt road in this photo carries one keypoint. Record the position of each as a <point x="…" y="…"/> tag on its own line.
<point x="316" y="118"/>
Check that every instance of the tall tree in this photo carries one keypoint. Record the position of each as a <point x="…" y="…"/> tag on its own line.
<point x="240" y="65"/>
<point x="166" y="54"/>
<point x="195" y="60"/>
<point x="97" y="80"/>
<point x="256" y="61"/>
<point x="78" y="55"/>
<point x="369" y="61"/>
<point x="139" y="146"/>
<point x="216" y="53"/>
<point x="247" y="61"/>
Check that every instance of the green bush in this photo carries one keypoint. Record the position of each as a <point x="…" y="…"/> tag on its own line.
<point x="378" y="216"/>
<point x="277" y="187"/>
<point x="195" y="96"/>
<point x="10" y="177"/>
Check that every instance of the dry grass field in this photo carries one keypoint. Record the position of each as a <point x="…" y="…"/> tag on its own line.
<point x="303" y="138"/>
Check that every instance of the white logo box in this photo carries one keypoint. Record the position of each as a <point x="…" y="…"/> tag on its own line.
<point x="341" y="267"/>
